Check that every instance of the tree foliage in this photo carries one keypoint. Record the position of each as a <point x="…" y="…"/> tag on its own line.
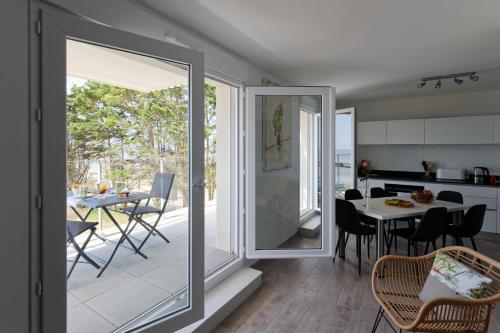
<point x="130" y="131"/>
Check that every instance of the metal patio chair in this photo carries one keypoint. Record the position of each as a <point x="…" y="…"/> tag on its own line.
<point x="162" y="185"/>
<point x="73" y="229"/>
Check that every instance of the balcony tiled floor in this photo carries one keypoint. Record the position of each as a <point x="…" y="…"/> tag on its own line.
<point x="131" y="284"/>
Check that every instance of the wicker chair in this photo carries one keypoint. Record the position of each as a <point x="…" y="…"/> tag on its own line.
<point x="397" y="282"/>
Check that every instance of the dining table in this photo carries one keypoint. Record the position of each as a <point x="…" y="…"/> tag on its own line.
<point x="105" y="201"/>
<point x="377" y="209"/>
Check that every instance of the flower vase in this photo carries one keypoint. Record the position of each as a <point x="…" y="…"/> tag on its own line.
<point x="366" y="194"/>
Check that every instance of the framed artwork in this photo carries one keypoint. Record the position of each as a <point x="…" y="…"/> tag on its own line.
<point x="277" y="132"/>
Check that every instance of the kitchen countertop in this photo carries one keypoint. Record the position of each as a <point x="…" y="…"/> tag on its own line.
<point x="418" y="177"/>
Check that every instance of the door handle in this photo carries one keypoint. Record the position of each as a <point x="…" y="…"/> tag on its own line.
<point x="199" y="186"/>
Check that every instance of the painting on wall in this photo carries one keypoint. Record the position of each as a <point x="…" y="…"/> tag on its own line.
<point x="277" y="132"/>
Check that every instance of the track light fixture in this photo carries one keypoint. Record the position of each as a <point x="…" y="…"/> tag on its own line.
<point x="456" y="78"/>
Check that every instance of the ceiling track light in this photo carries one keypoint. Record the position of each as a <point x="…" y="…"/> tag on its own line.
<point x="456" y="78"/>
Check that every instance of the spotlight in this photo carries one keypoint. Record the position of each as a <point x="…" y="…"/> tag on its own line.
<point x="458" y="81"/>
<point x="421" y="84"/>
<point x="438" y="84"/>
<point x="474" y="78"/>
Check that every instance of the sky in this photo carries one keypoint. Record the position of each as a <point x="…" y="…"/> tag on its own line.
<point x="343" y="131"/>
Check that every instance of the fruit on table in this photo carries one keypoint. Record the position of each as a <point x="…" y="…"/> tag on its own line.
<point x="424" y="196"/>
<point x="399" y="203"/>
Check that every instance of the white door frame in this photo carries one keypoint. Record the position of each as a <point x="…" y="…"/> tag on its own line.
<point x="354" y="169"/>
<point x="328" y="181"/>
<point x="56" y="27"/>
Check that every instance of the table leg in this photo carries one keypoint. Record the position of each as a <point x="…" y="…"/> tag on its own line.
<point x="380" y="238"/>
<point x="122" y="238"/>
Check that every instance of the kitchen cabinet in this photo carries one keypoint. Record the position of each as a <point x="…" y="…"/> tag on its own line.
<point x="496" y="129"/>
<point x="372" y="133"/>
<point x="409" y="132"/>
<point x="459" y="130"/>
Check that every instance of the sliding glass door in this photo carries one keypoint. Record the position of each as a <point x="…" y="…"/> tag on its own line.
<point x="290" y="137"/>
<point x="122" y="176"/>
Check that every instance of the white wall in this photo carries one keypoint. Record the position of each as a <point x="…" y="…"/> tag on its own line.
<point x="409" y="157"/>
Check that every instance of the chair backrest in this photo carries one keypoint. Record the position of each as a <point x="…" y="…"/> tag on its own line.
<point x="162" y="185"/>
<point x="450" y="196"/>
<point x="432" y="226"/>
<point x="378" y="192"/>
<point x="353" y="194"/>
<point x="346" y="215"/>
<point x="473" y="221"/>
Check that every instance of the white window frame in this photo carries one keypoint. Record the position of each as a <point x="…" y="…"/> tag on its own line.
<point x="328" y="182"/>
<point x="56" y="27"/>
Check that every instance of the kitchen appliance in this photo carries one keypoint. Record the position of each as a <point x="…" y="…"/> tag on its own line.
<point x="450" y="174"/>
<point x="481" y="175"/>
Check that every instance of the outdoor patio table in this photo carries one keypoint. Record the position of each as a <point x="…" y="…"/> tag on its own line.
<point x="375" y="207"/>
<point x="105" y="201"/>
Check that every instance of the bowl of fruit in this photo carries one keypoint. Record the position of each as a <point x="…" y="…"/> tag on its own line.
<point x="423" y="196"/>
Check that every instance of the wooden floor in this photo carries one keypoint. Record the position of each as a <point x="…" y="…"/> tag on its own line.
<point x="313" y="295"/>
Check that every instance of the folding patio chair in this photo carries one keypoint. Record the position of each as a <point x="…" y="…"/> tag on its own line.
<point x="73" y="229"/>
<point x="162" y="185"/>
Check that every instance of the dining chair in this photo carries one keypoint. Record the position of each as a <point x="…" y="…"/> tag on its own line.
<point x="353" y="194"/>
<point x="431" y="227"/>
<point x="379" y="192"/>
<point x="469" y="227"/>
<point x="73" y="230"/>
<point x="347" y="221"/>
<point x="450" y="196"/>
<point x="160" y="189"/>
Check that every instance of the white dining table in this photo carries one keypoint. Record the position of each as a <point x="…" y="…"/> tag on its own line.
<point x="377" y="209"/>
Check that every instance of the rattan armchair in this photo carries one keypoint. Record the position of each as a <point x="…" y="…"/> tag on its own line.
<point x="397" y="282"/>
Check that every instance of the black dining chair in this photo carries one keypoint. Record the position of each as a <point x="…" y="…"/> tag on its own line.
<point x="430" y="228"/>
<point x="353" y="194"/>
<point x="347" y="221"/>
<point x="73" y="230"/>
<point x="162" y="185"/>
<point x="379" y="192"/>
<point x="469" y="227"/>
<point x="450" y="196"/>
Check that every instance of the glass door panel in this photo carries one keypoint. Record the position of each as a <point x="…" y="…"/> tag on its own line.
<point x="345" y="152"/>
<point x="127" y="210"/>
<point x="289" y="202"/>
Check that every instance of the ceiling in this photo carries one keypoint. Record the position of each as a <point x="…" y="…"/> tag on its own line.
<point x="366" y="49"/>
<point x="122" y="69"/>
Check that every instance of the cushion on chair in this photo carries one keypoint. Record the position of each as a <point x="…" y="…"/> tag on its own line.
<point x="141" y="210"/>
<point x="450" y="278"/>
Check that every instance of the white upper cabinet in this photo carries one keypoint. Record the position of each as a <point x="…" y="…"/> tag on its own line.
<point x="496" y="127"/>
<point x="459" y="130"/>
<point x="372" y="133"/>
<point x="406" y="132"/>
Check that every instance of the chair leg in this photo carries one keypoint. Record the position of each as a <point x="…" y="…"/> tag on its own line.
<point x="427" y="247"/>
<point x="337" y="247"/>
<point x="390" y="243"/>
<point x="368" y="248"/>
<point x="358" y="245"/>
<point x="415" y="252"/>
<point x="434" y="246"/>
<point x="153" y="229"/>
<point x="473" y="243"/>
<point x="409" y="247"/>
<point x="380" y="313"/>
